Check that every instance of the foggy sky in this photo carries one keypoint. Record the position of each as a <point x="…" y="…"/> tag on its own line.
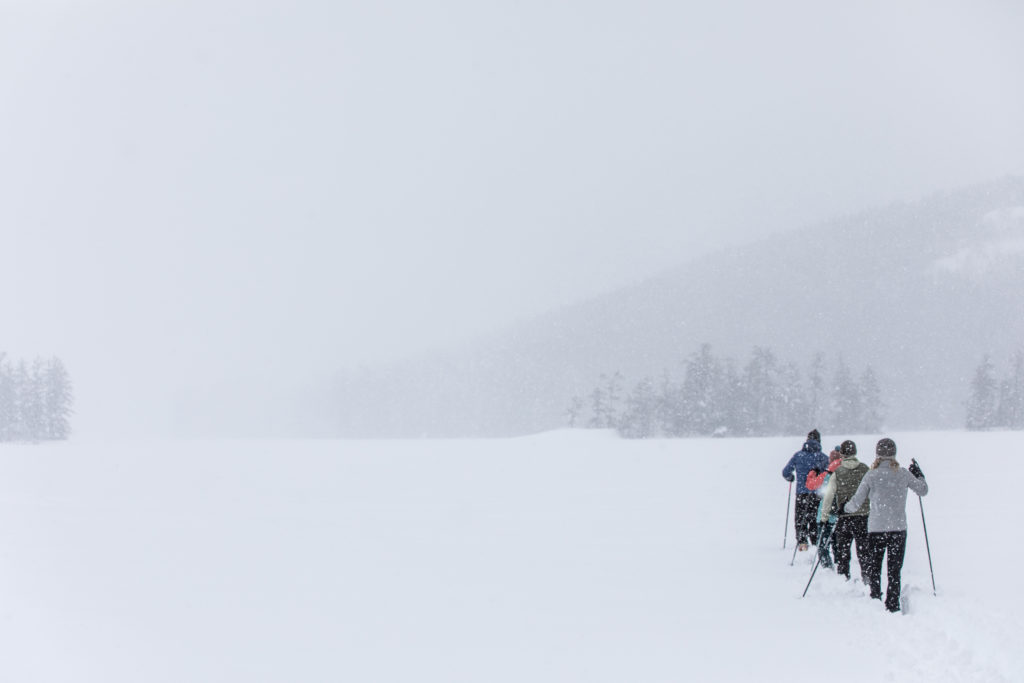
<point x="252" y="195"/>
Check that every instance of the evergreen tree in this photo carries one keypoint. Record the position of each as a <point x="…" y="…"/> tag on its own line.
<point x="816" y="396"/>
<point x="34" y="406"/>
<point x="698" y="396"/>
<point x="639" y="419"/>
<point x="1015" y="392"/>
<point x="574" y="411"/>
<point x="599" y="406"/>
<point x="1003" y="402"/>
<point x="795" y="410"/>
<point x="665" y="406"/>
<point x="846" y="400"/>
<point x="613" y="397"/>
<point x="981" y="407"/>
<point x="762" y="393"/>
<point x="20" y="384"/>
<point x="729" y="397"/>
<point x="8" y="401"/>
<point x="871" y="402"/>
<point x="35" y="402"/>
<point x="677" y="419"/>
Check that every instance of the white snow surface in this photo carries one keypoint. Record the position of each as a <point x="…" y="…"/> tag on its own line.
<point x="566" y="556"/>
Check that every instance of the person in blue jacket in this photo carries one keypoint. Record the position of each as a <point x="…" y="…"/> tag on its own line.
<point x="803" y="461"/>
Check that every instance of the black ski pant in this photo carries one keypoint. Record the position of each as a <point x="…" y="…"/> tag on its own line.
<point x="806" y="517"/>
<point x="851" y="528"/>
<point x="895" y="544"/>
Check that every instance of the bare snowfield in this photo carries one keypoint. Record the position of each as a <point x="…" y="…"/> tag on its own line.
<point x="567" y="556"/>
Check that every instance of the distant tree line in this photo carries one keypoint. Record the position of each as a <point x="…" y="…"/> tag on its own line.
<point x="716" y="397"/>
<point x="997" y="403"/>
<point x="35" y="400"/>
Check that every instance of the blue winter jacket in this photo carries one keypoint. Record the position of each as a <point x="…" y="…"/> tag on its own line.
<point x="803" y="461"/>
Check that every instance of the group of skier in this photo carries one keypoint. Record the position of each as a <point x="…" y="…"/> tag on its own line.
<point x="841" y="502"/>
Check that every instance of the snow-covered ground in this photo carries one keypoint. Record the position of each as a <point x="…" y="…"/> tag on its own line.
<point x="569" y="556"/>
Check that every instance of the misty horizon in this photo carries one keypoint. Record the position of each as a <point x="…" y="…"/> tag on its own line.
<point x="207" y="204"/>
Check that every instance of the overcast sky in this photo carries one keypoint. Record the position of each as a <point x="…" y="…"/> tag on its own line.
<point x="194" y="192"/>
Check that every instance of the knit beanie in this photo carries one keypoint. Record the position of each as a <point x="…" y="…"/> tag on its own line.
<point x="813" y="435"/>
<point x="848" y="448"/>
<point x="886" y="448"/>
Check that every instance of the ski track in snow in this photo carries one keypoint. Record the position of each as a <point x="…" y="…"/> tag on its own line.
<point x="939" y="639"/>
<point x="568" y="556"/>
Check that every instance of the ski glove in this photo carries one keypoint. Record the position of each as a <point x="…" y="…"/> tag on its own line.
<point x="915" y="469"/>
<point x="790" y="478"/>
<point x="834" y="465"/>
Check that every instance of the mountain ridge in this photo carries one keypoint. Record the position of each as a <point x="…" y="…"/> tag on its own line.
<point x="885" y="287"/>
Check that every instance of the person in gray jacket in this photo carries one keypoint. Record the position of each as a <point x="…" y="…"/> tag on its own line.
<point x="885" y="486"/>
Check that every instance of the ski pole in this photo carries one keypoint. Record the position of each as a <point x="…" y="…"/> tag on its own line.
<point x="785" y="527"/>
<point x="928" y="547"/>
<point x="926" y="544"/>
<point x="824" y="544"/>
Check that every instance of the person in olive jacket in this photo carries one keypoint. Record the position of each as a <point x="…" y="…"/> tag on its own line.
<point x="885" y="487"/>
<point x="850" y="526"/>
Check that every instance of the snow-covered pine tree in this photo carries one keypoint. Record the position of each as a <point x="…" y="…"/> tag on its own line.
<point x="703" y="374"/>
<point x="57" y="398"/>
<point x="816" y="396"/>
<point x="1014" y="408"/>
<point x="846" y="400"/>
<point x="1010" y="402"/>
<point x="674" y="414"/>
<point x="793" y="400"/>
<point x="1003" y="402"/>
<point x="729" y="397"/>
<point x="599" y="406"/>
<point x="639" y="419"/>
<point x="573" y="412"/>
<point x="8" y="401"/>
<point x="666" y="405"/>
<point x="34" y="404"/>
<point x="762" y="394"/>
<point x="21" y="381"/>
<point x="872" y="407"/>
<point x="981" y="407"/>
<point x="613" y="396"/>
<point x="35" y="401"/>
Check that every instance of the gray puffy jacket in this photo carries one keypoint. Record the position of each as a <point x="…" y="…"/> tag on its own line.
<point x="886" y="488"/>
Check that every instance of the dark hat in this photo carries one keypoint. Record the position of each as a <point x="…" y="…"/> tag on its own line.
<point x="814" y="435"/>
<point x="886" y="448"/>
<point x="848" y="448"/>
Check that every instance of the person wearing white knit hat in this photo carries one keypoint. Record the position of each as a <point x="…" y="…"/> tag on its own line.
<point x="885" y="486"/>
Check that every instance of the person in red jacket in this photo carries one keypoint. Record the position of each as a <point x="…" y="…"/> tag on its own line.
<point x="817" y="481"/>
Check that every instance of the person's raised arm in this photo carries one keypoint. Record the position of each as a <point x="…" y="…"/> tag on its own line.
<point x="916" y="481"/>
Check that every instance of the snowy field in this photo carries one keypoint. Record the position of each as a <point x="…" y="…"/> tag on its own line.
<point x="569" y="556"/>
